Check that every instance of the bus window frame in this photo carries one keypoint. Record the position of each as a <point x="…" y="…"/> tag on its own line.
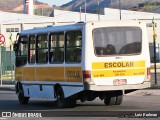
<point x="36" y="52"/>
<point x="50" y="48"/>
<point x="31" y="49"/>
<point x="73" y="62"/>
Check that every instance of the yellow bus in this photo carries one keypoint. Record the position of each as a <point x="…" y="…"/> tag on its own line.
<point x="82" y="61"/>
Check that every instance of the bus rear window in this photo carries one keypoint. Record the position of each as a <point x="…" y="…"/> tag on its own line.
<point x="117" y="40"/>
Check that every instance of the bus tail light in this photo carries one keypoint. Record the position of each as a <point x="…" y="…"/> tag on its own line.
<point x="148" y="73"/>
<point x="87" y="76"/>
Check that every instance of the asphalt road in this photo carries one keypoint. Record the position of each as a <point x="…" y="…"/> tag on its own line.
<point x="138" y="102"/>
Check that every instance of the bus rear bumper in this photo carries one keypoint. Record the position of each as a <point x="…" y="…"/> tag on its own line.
<point x="118" y="87"/>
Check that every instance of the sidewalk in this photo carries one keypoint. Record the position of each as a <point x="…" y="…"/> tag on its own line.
<point x="7" y="87"/>
<point x="155" y="86"/>
<point x="145" y="92"/>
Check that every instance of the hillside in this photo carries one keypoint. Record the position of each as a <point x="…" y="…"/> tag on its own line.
<point x="17" y="5"/>
<point x="92" y="5"/>
<point x="8" y="5"/>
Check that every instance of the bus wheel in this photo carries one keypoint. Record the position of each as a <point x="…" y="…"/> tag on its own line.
<point x="22" y="99"/>
<point x="61" y="102"/>
<point x="109" y="100"/>
<point x="119" y="100"/>
<point x="71" y="102"/>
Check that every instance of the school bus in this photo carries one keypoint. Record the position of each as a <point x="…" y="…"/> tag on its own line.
<point x="82" y="61"/>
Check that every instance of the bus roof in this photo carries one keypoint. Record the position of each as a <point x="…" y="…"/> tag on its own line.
<point x="48" y="29"/>
<point x="75" y="26"/>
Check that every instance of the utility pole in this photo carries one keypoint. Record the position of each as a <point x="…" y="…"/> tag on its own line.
<point x="98" y="11"/>
<point x="154" y="43"/>
<point x="85" y="10"/>
<point x="80" y="14"/>
<point x="120" y="9"/>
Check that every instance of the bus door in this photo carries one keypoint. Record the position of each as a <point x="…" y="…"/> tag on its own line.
<point x="119" y="56"/>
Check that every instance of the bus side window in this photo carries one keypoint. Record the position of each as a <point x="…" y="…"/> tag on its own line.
<point x="78" y="54"/>
<point x="56" y="47"/>
<point x="42" y="48"/>
<point x="73" y="46"/>
<point x="51" y="57"/>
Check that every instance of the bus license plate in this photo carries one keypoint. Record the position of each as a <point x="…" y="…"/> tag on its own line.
<point x="120" y="82"/>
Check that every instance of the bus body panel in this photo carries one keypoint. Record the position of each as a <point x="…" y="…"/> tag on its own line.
<point x="45" y="89"/>
<point x="113" y="70"/>
<point x="40" y="82"/>
<point x="18" y="74"/>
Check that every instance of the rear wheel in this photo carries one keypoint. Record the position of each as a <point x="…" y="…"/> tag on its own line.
<point x="119" y="100"/>
<point x="108" y="100"/>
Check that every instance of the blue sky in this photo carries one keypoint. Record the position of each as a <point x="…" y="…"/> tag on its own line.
<point x="55" y="2"/>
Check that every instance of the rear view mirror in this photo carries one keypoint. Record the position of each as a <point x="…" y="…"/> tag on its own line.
<point x="15" y="46"/>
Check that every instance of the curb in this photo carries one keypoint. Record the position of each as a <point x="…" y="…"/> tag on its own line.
<point x="7" y="88"/>
<point x="155" y="87"/>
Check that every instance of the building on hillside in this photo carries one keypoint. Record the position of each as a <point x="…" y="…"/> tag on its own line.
<point x="70" y="16"/>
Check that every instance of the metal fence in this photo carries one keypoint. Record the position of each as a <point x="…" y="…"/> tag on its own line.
<point x="151" y="48"/>
<point x="7" y="56"/>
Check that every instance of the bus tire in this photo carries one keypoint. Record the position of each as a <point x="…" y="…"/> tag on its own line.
<point x="61" y="101"/>
<point x="119" y="100"/>
<point x="109" y="100"/>
<point x="71" y="102"/>
<point x="22" y="99"/>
